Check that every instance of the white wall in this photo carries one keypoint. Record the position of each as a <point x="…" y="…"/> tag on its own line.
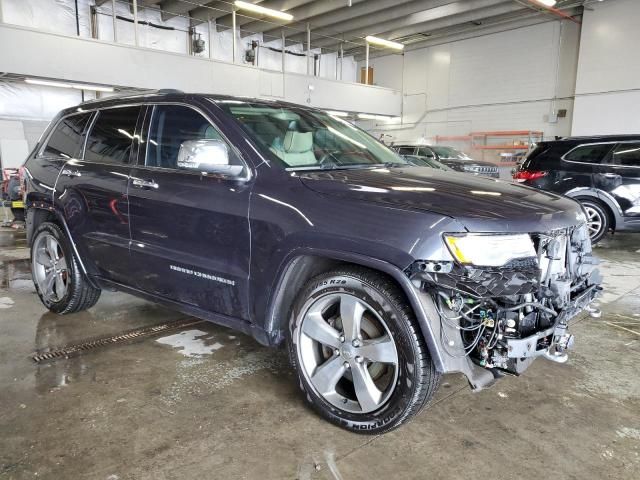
<point x="608" y="84"/>
<point x="513" y="80"/>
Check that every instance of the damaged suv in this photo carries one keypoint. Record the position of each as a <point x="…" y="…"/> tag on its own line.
<point x="297" y="228"/>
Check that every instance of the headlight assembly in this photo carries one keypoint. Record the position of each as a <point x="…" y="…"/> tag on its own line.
<point x="489" y="250"/>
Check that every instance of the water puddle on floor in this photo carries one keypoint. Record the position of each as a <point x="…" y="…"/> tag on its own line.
<point x="15" y="275"/>
<point x="192" y="343"/>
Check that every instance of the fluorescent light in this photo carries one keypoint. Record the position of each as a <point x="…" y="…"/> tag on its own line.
<point x="77" y="86"/>
<point x="336" y="113"/>
<point x="263" y="10"/>
<point x="484" y="192"/>
<point x="414" y="189"/>
<point x="384" y="43"/>
<point x="95" y="88"/>
<point x="369" y="116"/>
<point x="546" y="3"/>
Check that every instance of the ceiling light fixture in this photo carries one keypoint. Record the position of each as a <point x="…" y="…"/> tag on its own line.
<point x="546" y="3"/>
<point x="336" y="113"/>
<point x="384" y="43"/>
<point x="263" y="10"/>
<point x="369" y="116"/>
<point x="77" y="86"/>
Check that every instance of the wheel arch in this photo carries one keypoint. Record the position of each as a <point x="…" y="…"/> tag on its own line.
<point x="305" y="264"/>
<point x="601" y="197"/>
<point x="39" y="212"/>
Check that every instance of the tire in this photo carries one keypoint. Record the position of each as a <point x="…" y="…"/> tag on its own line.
<point x="399" y="391"/>
<point x="52" y="256"/>
<point x="598" y="219"/>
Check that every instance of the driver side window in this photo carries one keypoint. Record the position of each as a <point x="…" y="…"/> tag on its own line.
<point x="171" y="126"/>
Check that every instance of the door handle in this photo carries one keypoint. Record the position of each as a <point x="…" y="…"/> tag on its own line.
<point x="67" y="172"/>
<point x="138" y="182"/>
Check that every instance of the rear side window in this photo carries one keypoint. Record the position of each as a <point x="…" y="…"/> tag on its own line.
<point x="111" y="135"/>
<point x="171" y="125"/>
<point x="588" y="153"/>
<point x="406" y="150"/>
<point x="627" y="155"/>
<point x="66" y="139"/>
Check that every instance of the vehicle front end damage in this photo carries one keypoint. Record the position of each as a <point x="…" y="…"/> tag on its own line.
<point x="506" y="300"/>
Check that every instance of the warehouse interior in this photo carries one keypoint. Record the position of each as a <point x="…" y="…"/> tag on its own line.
<point x="134" y="388"/>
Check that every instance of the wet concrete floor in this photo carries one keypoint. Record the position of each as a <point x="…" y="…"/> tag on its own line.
<point x="207" y="402"/>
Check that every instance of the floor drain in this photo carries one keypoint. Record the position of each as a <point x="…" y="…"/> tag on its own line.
<point x="120" y="338"/>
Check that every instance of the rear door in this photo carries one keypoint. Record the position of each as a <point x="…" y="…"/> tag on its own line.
<point x="92" y="191"/>
<point x="622" y="178"/>
<point x="190" y="230"/>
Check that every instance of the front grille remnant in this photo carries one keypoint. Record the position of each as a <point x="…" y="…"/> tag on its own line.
<point x="120" y="338"/>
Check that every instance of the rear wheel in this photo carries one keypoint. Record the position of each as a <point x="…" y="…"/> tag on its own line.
<point x="359" y="354"/>
<point x="59" y="282"/>
<point x="598" y="221"/>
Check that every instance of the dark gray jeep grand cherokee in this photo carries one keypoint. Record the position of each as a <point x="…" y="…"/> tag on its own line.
<point x="296" y="227"/>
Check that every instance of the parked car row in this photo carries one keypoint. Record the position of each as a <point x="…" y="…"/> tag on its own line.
<point x="449" y="156"/>
<point x="296" y="227"/>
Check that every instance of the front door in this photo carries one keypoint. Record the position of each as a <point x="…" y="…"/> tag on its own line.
<point x="623" y="173"/>
<point x="92" y="191"/>
<point x="190" y="231"/>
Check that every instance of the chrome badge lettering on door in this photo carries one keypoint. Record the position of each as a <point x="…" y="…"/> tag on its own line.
<point x="206" y="276"/>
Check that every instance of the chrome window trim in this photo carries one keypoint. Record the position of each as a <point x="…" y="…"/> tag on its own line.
<point x="95" y="109"/>
<point x="208" y="119"/>
<point x="593" y="143"/>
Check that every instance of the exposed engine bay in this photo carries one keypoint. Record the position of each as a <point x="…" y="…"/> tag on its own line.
<point x="501" y="318"/>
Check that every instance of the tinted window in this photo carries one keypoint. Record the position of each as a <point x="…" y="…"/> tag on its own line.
<point x="171" y="125"/>
<point x="111" y="136"/>
<point x="406" y="150"/>
<point x="66" y="139"/>
<point x="627" y="154"/>
<point x="425" y="152"/>
<point x="588" y="153"/>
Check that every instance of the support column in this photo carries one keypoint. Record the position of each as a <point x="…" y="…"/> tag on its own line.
<point x="284" y="55"/>
<point x="366" y="65"/>
<point x="135" y="21"/>
<point x="233" y="31"/>
<point x="308" y="48"/>
<point x="115" y="21"/>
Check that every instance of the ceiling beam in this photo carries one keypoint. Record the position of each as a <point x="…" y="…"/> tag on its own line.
<point x="315" y="9"/>
<point x="245" y="17"/>
<point x="210" y="11"/>
<point x="381" y="12"/>
<point x="423" y="22"/>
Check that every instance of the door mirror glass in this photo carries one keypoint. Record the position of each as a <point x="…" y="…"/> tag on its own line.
<point x="207" y="155"/>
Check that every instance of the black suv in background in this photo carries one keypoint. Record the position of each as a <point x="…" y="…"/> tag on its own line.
<point x="452" y="158"/>
<point x="602" y="173"/>
<point x="294" y="226"/>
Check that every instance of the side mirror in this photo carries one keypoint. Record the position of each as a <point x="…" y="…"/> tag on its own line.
<point x="207" y="156"/>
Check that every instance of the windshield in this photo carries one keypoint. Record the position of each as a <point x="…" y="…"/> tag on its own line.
<point x="302" y="139"/>
<point x="450" y="153"/>
<point x="419" y="161"/>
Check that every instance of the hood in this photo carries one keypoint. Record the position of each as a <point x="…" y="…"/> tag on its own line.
<point x="480" y="204"/>
<point x="467" y="161"/>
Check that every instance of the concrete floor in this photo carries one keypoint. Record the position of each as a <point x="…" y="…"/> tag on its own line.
<point x="206" y="402"/>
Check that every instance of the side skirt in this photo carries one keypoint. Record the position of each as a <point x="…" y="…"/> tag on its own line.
<point x="224" y="320"/>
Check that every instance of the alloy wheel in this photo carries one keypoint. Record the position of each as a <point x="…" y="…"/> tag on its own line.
<point x="595" y="222"/>
<point x="50" y="268"/>
<point x="347" y="353"/>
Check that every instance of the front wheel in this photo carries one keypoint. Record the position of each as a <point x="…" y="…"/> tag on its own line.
<point x="59" y="282"/>
<point x="359" y="354"/>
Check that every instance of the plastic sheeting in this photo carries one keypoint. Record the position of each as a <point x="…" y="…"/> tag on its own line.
<point x="50" y="15"/>
<point x="21" y="100"/>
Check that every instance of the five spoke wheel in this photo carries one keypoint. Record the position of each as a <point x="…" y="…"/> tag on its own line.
<point x="347" y="353"/>
<point x="50" y="268"/>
